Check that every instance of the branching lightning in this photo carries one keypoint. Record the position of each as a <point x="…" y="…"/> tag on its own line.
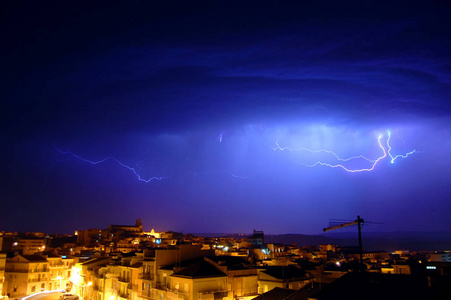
<point x="393" y="158"/>
<point x="374" y="162"/>
<point x="323" y="157"/>
<point x="114" y="159"/>
<point x="278" y="147"/>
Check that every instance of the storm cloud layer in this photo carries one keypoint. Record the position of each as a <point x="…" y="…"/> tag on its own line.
<point x="212" y="99"/>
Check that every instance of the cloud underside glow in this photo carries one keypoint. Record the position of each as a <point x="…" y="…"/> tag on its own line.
<point x="303" y="156"/>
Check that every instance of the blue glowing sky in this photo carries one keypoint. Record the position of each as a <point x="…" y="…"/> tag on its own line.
<point x="204" y="98"/>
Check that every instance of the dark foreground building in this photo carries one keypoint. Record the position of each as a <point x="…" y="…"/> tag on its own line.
<point x="372" y="286"/>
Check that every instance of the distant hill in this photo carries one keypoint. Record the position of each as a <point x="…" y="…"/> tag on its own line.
<point x="372" y="241"/>
<point x="388" y="241"/>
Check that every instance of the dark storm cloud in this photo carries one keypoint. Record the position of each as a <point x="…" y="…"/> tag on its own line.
<point x="167" y="67"/>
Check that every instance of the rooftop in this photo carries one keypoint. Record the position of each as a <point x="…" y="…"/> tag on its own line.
<point x="199" y="270"/>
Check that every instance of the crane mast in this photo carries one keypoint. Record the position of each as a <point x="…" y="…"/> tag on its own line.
<point x="358" y="222"/>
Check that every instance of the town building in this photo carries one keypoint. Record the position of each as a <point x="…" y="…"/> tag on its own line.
<point x="283" y="277"/>
<point x="2" y="275"/>
<point x="26" y="274"/>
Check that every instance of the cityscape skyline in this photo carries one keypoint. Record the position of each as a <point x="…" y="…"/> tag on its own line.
<point x="125" y="262"/>
<point x="226" y="116"/>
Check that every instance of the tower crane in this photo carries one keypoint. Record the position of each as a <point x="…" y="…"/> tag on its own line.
<point x="358" y="222"/>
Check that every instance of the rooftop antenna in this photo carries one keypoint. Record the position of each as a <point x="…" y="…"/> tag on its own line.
<point x="358" y="222"/>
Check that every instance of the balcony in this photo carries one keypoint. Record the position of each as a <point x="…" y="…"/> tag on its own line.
<point x="147" y="295"/>
<point x="37" y="279"/>
<point x="111" y="276"/>
<point x="216" y="293"/>
<point x="147" y="276"/>
<point x="124" y="279"/>
<point x="161" y="286"/>
<point x="248" y="292"/>
<point x="172" y="293"/>
<point x="56" y="265"/>
<point x="14" y="270"/>
<point x="41" y="270"/>
<point x="123" y="295"/>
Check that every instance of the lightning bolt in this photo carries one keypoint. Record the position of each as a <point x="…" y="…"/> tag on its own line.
<point x="393" y="158"/>
<point x="114" y="159"/>
<point x="278" y="147"/>
<point x="374" y="162"/>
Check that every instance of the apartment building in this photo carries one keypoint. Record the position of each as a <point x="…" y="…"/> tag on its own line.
<point x="146" y="279"/>
<point x="242" y="278"/>
<point x="2" y="275"/>
<point x="26" y="274"/>
<point x="289" y="277"/>
<point x="30" y="246"/>
<point x="83" y="275"/>
<point x="201" y="280"/>
<point x="60" y="268"/>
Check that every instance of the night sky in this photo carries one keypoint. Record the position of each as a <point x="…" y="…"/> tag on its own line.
<point x="216" y="116"/>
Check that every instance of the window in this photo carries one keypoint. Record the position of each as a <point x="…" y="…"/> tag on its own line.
<point x="186" y="287"/>
<point x="33" y="289"/>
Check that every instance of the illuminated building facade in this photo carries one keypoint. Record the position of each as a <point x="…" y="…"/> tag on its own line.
<point x="60" y="268"/>
<point x="26" y="274"/>
<point x="2" y="274"/>
<point x="30" y="246"/>
<point x="29" y="274"/>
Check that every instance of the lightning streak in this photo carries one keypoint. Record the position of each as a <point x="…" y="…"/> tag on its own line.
<point x="393" y="158"/>
<point x="319" y="151"/>
<point x="114" y="159"/>
<point x="373" y="162"/>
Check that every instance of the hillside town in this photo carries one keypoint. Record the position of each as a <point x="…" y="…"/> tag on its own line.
<point x="125" y="262"/>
